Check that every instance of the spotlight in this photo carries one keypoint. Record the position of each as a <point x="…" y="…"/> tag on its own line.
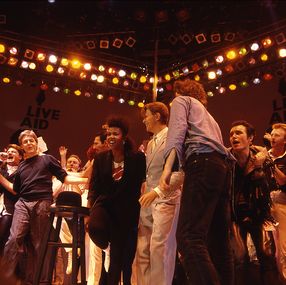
<point x="201" y="38"/>
<point x="104" y="44"/>
<point x="215" y="38"/>
<point x="280" y="38"/>
<point x="172" y="39"/>
<point x="117" y="43"/>
<point x="229" y="37"/>
<point x="29" y="54"/>
<point x="90" y="44"/>
<point x="186" y="39"/>
<point x="130" y="42"/>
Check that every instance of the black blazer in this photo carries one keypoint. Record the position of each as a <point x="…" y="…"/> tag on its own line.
<point x="120" y="198"/>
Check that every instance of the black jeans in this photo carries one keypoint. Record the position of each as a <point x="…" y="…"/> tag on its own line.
<point x="204" y="221"/>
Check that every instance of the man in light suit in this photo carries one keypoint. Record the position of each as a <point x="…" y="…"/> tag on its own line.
<point x="156" y="245"/>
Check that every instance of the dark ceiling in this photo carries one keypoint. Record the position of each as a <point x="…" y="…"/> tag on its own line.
<point x="169" y="27"/>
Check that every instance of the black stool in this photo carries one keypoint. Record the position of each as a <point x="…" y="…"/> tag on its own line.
<point x="68" y="205"/>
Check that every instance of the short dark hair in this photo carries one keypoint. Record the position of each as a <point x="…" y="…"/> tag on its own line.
<point x="157" y="107"/>
<point x="102" y="136"/>
<point x="118" y="122"/>
<point x="17" y="147"/>
<point x="250" y="131"/>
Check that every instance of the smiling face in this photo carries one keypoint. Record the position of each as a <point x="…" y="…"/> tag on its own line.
<point x="150" y="121"/>
<point x="239" y="139"/>
<point x="29" y="145"/>
<point x="114" y="138"/>
<point x="14" y="157"/>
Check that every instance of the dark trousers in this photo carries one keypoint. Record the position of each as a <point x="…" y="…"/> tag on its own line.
<point x="103" y="230"/>
<point x="204" y="221"/>
<point x="29" y="221"/>
<point x="5" y="224"/>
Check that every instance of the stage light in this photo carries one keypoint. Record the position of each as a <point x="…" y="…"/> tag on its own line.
<point x="117" y="43"/>
<point x="93" y="77"/>
<point x="111" y="70"/>
<point x="140" y="105"/>
<point x="64" y="62"/>
<point x="90" y="44"/>
<point x="264" y="57"/>
<point x="211" y="75"/>
<point x="200" y="38"/>
<point x="232" y="87"/>
<point x="186" y="70"/>
<point x="242" y="51"/>
<point x="231" y="54"/>
<point x="82" y="75"/>
<point x="244" y="84"/>
<point x="99" y="96"/>
<point x="87" y="66"/>
<point x="210" y="93"/>
<point x="56" y="89"/>
<point x="282" y="52"/>
<point x="125" y="83"/>
<point x="101" y="68"/>
<point x="254" y="46"/>
<point x="115" y="80"/>
<point x="219" y="59"/>
<point x="215" y="38"/>
<point x="53" y="59"/>
<point x="205" y="64"/>
<point x="229" y="37"/>
<point x="251" y="61"/>
<point x="29" y="54"/>
<point x="169" y="87"/>
<point x="104" y="44"/>
<point x="267" y="76"/>
<point x="41" y="56"/>
<point x="195" y="67"/>
<point x="167" y="77"/>
<point x="256" y="80"/>
<point x="32" y="65"/>
<point x="131" y="102"/>
<point x="121" y="73"/>
<point x="229" y="68"/>
<point x="66" y="91"/>
<point x="2" y="48"/>
<point x="87" y="94"/>
<point x="146" y="87"/>
<point x="280" y="38"/>
<point x="49" y="68"/>
<point x="12" y="61"/>
<point x="221" y="90"/>
<point x="6" y="80"/>
<point x="142" y="79"/>
<point x="13" y="50"/>
<point x="19" y="82"/>
<point x="267" y="42"/>
<point x="121" y="100"/>
<point x="77" y="92"/>
<point x="219" y="72"/>
<point x="44" y="86"/>
<point x="176" y="74"/>
<point x="111" y="99"/>
<point x="197" y="77"/>
<point x="61" y="70"/>
<point x="130" y="42"/>
<point x="75" y="64"/>
<point x="100" y="78"/>
<point x="24" y="64"/>
<point x="133" y="75"/>
<point x="172" y="39"/>
<point x="186" y="38"/>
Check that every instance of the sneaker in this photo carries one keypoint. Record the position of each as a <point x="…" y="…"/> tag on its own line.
<point x="69" y="265"/>
<point x="107" y="258"/>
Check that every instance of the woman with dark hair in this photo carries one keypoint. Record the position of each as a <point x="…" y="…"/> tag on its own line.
<point x="14" y="155"/>
<point x="114" y="192"/>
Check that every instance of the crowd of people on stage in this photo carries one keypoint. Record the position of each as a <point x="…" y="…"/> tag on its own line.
<point x="182" y="200"/>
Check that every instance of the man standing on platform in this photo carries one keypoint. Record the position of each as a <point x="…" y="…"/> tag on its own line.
<point x="156" y="247"/>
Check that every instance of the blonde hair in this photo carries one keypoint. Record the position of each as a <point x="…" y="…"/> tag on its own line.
<point x="279" y="126"/>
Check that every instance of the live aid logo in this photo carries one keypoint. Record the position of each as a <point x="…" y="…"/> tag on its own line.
<point x="39" y="118"/>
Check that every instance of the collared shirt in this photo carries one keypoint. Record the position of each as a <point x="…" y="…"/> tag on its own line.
<point x="193" y="130"/>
